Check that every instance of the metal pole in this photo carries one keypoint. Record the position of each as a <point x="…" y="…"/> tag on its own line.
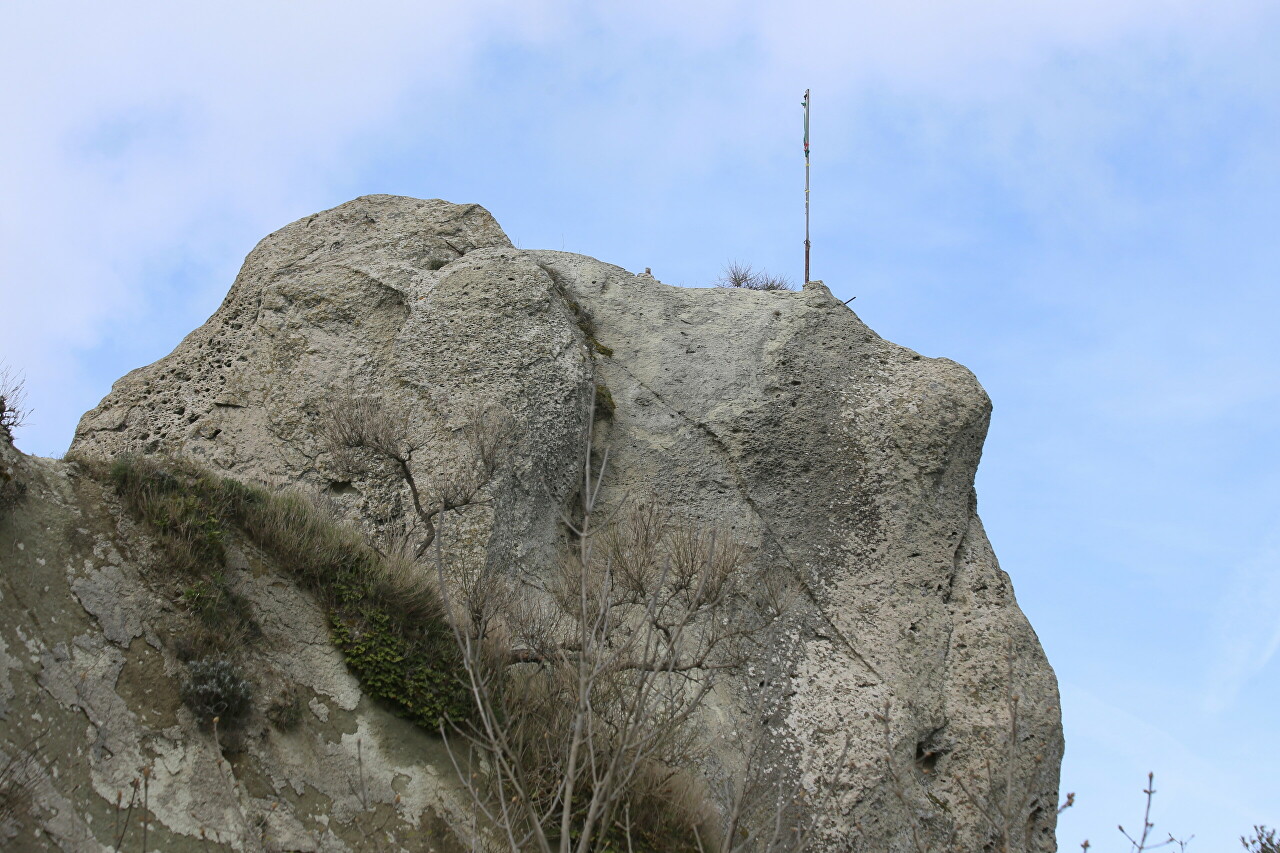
<point x="806" y="186"/>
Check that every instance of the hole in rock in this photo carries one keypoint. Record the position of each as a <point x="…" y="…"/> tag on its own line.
<point x="926" y="759"/>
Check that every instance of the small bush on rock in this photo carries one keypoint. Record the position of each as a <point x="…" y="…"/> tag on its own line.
<point x="742" y="276"/>
<point x="215" y="688"/>
<point x="12" y="402"/>
<point x="12" y="412"/>
<point x="285" y="713"/>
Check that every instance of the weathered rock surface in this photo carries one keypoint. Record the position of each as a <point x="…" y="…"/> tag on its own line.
<point x="93" y="722"/>
<point x="843" y="461"/>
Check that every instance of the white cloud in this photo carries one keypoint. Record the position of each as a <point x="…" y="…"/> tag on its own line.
<point x="1245" y="630"/>
<point x="149" y="132"/>
<point x="145" y="131"/>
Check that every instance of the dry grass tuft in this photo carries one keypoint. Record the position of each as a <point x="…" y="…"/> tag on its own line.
<point x="740" y="275"/>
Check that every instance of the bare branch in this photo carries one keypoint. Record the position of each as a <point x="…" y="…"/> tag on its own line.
<point x="13" y="400"/>
<point x="740" y="275"/>
<point x="586" y="683"/>
<point x="364" y="429"/>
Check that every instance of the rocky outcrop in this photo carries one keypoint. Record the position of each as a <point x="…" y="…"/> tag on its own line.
<point x="95" y="740"/>
<point x="845" y="464"/>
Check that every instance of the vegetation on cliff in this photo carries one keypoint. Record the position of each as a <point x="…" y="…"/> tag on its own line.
<point x="389" y="627"/>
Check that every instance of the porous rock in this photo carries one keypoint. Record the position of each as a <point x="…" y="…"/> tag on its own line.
<point x="844" y="462"/>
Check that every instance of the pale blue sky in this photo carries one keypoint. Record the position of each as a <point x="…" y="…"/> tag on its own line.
<point x="1080" y="201"/>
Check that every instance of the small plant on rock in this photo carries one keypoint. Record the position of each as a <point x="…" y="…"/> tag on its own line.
<point x="12" y="413"/>
<point x="285" y="713"/>
<point x="215" y="689"/>
<point x="740" y="275"/>
<point x="12" y="402"/>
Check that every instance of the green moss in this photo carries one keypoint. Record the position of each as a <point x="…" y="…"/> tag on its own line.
<point x="604" y="402"/>
<point x="394" y="668"/>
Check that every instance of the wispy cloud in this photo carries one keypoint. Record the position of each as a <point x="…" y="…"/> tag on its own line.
<point x="1245" y="631"/>
<point x="1114" y="747"/>
<point x="154" y="134"/>
<point x="148" y="134"/>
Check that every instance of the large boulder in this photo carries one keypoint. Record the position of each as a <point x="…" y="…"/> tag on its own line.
<point x="844" y="463"/>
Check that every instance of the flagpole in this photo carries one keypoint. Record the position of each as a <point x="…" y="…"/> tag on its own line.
<point x="806" y="186"/>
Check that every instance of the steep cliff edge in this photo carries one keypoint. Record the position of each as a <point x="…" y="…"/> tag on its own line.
<point x="844" y="463"/>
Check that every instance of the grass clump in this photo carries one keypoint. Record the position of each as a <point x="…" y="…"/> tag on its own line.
<point x="285" y="712"/>
<point x="740" y="275"/>
<point x="388" y="624"/>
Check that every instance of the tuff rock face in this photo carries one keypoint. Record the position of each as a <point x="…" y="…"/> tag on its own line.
<point x="94" y="734"/>
<point x="845" y="463"/>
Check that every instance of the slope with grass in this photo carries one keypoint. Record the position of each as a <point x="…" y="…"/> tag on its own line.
<point x="169" y="676"/>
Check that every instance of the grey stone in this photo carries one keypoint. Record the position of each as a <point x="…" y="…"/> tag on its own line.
<point x="845" y="463"/>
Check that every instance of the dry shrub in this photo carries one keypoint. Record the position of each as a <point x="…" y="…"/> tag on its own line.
<point x="1263" y="840"/>
<point x="13" y="398"/>
<point x="657" y="807"/>
<point x="585" y="699"/>
<point x="740" y="275"/>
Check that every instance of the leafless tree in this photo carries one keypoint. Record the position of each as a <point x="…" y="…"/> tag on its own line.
<point x="586" y="680"/>
<point x="364" y="429"/>
<point x="582" y="733"/>
<point x="1144" y="840"/>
